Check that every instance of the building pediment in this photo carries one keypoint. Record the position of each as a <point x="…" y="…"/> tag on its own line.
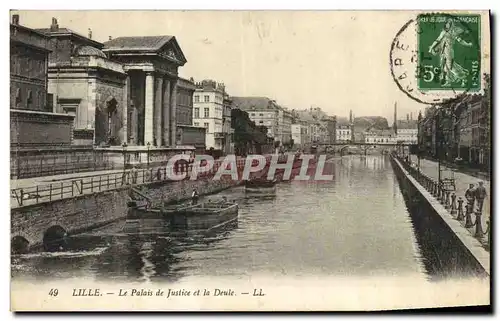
<point x="165" y="47"/>
<point x="171" y="51"/>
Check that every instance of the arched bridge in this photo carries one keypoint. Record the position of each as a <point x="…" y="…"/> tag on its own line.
<point x="342" y="148"/>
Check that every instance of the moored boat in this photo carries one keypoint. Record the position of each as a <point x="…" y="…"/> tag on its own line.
<point x="205" y="216"/>
<point x="261" y="186"/>
<point x="201" y="217"/>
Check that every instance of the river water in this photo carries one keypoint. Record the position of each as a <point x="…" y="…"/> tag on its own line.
<point x="354" y="225"/>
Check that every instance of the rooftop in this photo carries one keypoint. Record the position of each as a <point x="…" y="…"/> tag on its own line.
<point x="143" y="43"/>
<point x="55" y="31"/>
<point x="89" y="51"/>
<point x="407" y="124"/>
<point x="253" y="103"/>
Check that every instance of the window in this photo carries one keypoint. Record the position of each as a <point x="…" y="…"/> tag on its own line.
<point x="29" y="101"/>
<point x="206" y="126"/>
<point x="261" y="122"/>
<point x="197" y="124"/>
<point x="206" y="112"/>
<point x="206" y="98"/>
<point x="196" y="99"/>
<point x="196" y="112"/>
<point x="252" y="114"/>
<point x="18" y="97"/>
<point x="261" y="114"/>
<point x="50" y="102"/>
<point x="70" y="110"/>
<point x="70" y="107"/>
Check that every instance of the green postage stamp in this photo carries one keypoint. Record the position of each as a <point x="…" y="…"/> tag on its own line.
<point x="449" y="51"/>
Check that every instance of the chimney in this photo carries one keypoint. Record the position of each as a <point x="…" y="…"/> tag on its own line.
<point x="90" y="33"/>
<point x="54" y="26"/>
<point x="15" y="19"/>
<point x="407" y="117"/>
<point x="110" y="38"/>
<point x="411" y="116"/>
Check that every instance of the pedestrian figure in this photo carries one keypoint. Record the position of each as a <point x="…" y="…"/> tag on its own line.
<point x="194" y="197"/>
<point x="470" y="195"/>
<point x="133" y="173"/>
<point x="480" y="196"/>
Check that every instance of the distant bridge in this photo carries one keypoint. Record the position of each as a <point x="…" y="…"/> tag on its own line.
<point x="363" y="144"/>
<point x="340" y="147"/>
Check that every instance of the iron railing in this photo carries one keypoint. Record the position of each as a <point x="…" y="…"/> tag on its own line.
<point x="104" y="182"/>
<point x="451" y="202"/>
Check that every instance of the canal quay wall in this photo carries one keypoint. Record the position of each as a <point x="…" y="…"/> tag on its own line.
<point x="39" y="224"/>
<point x="448" y="249"/>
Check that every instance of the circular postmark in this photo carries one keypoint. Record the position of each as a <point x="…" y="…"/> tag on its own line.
<point x="435" y="58"/>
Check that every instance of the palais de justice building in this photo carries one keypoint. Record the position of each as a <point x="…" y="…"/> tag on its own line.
<point x="124" y="90"/>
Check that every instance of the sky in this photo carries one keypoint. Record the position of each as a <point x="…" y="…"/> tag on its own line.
<point x="335" y="60"/>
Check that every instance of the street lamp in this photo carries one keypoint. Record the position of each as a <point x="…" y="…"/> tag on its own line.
<point x="149" y="146"/>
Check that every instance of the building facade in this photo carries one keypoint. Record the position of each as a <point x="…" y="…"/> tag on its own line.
<point x="84" y="83"/>
<point x="286" y="126"/>
<point x="208" y="106"/>
<point x="226" y="125"/>
<point x="33" y="122"/>
<point x="380" y="137"/>
<point x="300" y="134"/>
<point x="263" y="111"/>
<point x="187" y="134"/>
<point x="123" y="91"/>
<point x="28" y="68"/>
<point x="151" y="64"/>
<point x="408" y="132"/>
<point x="343" y="130"/>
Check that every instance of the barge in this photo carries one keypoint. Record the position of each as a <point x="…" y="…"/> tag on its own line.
<point x="202" y="217"/>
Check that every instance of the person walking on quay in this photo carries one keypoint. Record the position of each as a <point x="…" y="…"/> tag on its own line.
<point x="133" y="174"/>
<point x="470" y="195"/>
<point x="194" y="197"/>
<point x="480" y="196"/>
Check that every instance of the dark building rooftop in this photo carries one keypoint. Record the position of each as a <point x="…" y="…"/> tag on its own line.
<point x="89" y="51"/>
<point x="144" y="43"/>
<point x="252" y="103"/>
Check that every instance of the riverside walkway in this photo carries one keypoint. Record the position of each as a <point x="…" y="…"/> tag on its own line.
<point x="462" y="181"/>
<point x="429" y="169"/>
<point x="478" y="246"/>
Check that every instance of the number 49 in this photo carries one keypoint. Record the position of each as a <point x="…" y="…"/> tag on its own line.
<point x="53" y="292"/>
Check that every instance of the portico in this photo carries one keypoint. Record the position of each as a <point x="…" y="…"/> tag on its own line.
<point x="151" y="64"/>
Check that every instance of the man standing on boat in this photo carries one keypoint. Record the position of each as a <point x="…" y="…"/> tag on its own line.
<point x="194" y="197"/>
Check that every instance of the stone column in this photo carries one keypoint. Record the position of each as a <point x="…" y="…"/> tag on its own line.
<point x="133" y="126"/>
<point x="125" y="104"/>
<point x="166" y="112"/>
<point x="173" y="109"/>
<point x="149" y="109"/>
<point x="158" y="111"/>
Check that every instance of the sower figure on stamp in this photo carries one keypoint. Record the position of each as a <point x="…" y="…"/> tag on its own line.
<point x="470" y="195"/>
<point x="480" y="196"/>
<point x="451" y="71"/>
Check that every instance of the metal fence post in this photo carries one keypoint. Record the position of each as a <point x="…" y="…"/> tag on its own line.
<point x="460" y="216"/>
<point x="50" y="193"/>
<point x="479" y="226"/>
<point x="468" y="218"/>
